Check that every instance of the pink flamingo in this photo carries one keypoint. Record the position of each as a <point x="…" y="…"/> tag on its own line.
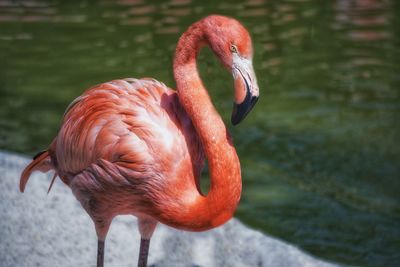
<point x="135" y="146"/>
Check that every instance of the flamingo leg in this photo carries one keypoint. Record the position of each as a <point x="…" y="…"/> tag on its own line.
<point x="100" y="253"/>
<point x="147" y="225"/>
<point x="144" y="252"/>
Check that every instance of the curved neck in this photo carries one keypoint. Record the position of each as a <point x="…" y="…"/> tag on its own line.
<point x="224" y="194"/>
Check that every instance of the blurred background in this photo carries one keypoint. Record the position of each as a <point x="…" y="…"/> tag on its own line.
<point x="320" y="152"/>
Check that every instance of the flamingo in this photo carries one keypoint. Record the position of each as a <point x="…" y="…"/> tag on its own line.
<point x="137" y="147"/>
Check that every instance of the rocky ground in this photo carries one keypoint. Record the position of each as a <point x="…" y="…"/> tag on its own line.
<point x="37" y="229"/>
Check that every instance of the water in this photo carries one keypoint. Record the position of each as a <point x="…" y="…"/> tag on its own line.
<point x="320" y="152"/>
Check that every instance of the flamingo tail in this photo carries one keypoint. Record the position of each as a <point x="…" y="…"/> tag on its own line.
<point x="41" y="162"/>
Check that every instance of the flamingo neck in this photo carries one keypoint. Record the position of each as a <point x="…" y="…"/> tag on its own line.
<point x="224" y="194"/>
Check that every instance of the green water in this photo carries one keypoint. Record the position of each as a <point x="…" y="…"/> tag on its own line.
<point x="320" y="152"/>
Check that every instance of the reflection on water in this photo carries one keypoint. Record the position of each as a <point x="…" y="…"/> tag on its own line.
<point x="319" y="152"/>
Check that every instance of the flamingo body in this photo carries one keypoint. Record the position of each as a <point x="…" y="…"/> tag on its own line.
<point x="124" y="144"/>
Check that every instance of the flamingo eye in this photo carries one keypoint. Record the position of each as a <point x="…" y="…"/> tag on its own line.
<point x="234" y="49"/>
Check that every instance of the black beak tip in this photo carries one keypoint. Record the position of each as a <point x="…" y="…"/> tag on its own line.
<point x="241" y="110"/>
<point x="235" y="121"/>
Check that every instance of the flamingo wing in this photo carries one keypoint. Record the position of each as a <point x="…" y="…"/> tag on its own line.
<point x="122" y="134"/>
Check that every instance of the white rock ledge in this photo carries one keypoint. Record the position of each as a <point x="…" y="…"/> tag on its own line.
<point x="37" y="229"/>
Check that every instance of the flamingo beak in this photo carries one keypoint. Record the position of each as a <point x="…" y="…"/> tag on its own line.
<point x="246" y="88"/>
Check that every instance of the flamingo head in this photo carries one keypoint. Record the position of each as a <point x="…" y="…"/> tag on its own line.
<point x="231" y="42"/>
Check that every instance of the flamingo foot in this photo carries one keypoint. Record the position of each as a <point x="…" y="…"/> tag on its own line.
<point x="144" y="252"/>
